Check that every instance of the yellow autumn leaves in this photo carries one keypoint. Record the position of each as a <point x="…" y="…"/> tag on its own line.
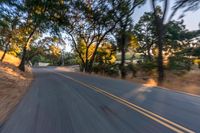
<point x="104" y="52"/>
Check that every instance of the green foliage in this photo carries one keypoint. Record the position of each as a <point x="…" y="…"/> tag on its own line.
<point x="187" y="5"/>
<point x="108" y="69"/>
<point x="179" y="63"/>
<point x="71" y="59"/>
<point x="132" y="68"/>
<point x="106" y="53"/>
<point x="39" y="58"/>
<point x="45" y="50"/>
<point x="92" y="24"/>
<point x="147" y="66"/>
<point x="189" y="52"/>
<point x="145" y="29"/>
<point x="196" y="52"/>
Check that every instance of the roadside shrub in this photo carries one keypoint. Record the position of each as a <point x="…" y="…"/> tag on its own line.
<point x="81" y="66"/>
<point x="132" y="68"/>
<point x="109" y="69"/>
<point x="112" y="70"/>
<point x="180" y="72"/>
<point x="179" y="63"/>
<point x="97" y="68"/>
<point x="148" y="66"/>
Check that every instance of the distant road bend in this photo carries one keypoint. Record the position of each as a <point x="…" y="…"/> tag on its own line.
<point x="70" y="102"/>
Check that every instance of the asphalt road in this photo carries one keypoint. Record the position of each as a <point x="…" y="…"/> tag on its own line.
<point x="69" y="102"/>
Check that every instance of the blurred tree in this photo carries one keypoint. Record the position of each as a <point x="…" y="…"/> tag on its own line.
<point x="145" y="32"/>
<point x="70" y="58"/>
<point x="106" y="54"/>
<point x="124" y="27"/>
<point x="161" y="22"/>
<point x="92" y="22"/>
<point x="175" y="35"/>
<point x="9" y="22"/>
<point x="47" y="47"/>
<point x="38" y="17"/>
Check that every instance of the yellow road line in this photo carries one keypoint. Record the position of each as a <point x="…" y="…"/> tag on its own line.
<point x="149" y="112"/>
<point x="165" y="122"/>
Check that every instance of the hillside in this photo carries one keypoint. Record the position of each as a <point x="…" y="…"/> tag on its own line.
<point x="10" y="59"/>
<point x="13" y="84"/>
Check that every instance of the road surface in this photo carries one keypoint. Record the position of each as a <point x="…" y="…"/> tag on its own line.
<point x="69" y="102"/>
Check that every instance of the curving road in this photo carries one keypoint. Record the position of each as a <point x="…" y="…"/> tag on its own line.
<point x="69" y="102"/>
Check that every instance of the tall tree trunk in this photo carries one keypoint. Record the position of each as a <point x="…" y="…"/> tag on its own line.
<point x="149" y="54"/>
<point x="5" y="51"/>
<point x="122" y="65"/>
<point x="160" y="59"/>
<point x="123" y="56"/>
<point x="87" y="66"/>
<point x="82" y="67"/>
<point x="92" y="59"/>
<point x="148" y="51"/>
<point x="160" y="66"/>
<point x="87" y="69"/>
<point x="22" y="63"/>
<point x="160" y="29"/>
<point x="90" y="63"/>
<point x="23" y="60"/>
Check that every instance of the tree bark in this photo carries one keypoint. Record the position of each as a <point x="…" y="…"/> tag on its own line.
<point x="79" y="53"/>
<point x="149" y="54"/>
<point x="22" y="63"/>
<point x="87" y="68"/>
<point x="160" y="41"/>
<point x="5" y="51"/>
<point x="82" y="67"/>
<point x="23" y="60"/>
<point x="148" y="51"/>
<point x="123" y="57"/>
<point x="90" y="63"/>
<point x="160" y="29"/>
<point x="97" y="45"/>
<point x="160" y="61"/>
<point x="159" y="23"/>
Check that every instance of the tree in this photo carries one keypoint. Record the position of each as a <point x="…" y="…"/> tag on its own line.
<point x="175" y="34"/>
<point x="124" y="27"/>
<point x="161" y="23"/>
<point x="33" y="21"/>
<point x="48" y="48"/>
<point x="106" y="53"/>
<point x="9" y="23"/>
<point x="38" y="16"/>
<point x="92" y="22"/>
<point x="145" y="32"/>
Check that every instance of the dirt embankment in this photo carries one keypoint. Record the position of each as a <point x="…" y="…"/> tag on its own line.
<point x="13" y="85"/>
<point x="10" y="59"/>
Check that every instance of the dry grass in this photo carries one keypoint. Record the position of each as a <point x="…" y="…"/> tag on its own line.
<point x="13" y="85"/>
<point x="10" y="59"/>
<point x="188" y="82"/>
<point x="183" y="81"/>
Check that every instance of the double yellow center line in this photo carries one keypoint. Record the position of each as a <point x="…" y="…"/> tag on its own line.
<point x="159" y="119"/>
